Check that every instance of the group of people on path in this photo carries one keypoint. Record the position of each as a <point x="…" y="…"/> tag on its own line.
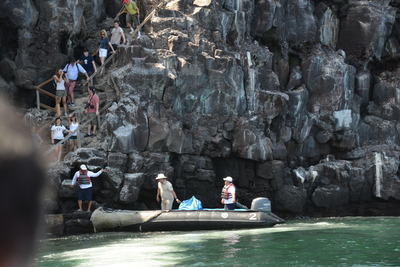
<point x="65" y="79"/>
<point x="58" y="129"/>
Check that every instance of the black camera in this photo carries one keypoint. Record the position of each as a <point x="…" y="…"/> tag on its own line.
<point x="89" y="105"/>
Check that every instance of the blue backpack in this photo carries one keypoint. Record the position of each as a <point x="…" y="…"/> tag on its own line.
<point x="191" y="204"/>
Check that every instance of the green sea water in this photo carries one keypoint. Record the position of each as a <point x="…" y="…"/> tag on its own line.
<point x="351" y="241"/>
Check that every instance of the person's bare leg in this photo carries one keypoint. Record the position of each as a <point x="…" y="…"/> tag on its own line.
<point x="59" y="153"/>
<point x="102" y="59"/>
<point x="94" y="128"/>
<point x="88" y="129"/>
<point x="68" y="92"/>
<point x="58" y="111"/>
<point x="80" y="205"/>
<point x="89" y="205"/>
<point x="64" y="100"/>
<point x="56" y="153"/>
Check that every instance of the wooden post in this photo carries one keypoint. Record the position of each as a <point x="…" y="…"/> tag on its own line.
<point x="37" y="99"/>
<point x="98" y="121"/>
<point x="79" y="138"/>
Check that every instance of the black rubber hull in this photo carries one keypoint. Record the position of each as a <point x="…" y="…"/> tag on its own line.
<point x="210" y="220"/>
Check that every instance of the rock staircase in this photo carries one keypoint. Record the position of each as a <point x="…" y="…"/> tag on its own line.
<point x="169" y="41"/>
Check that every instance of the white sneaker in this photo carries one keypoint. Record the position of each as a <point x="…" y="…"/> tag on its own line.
<point x="139" y="35"/>
<point x="132" y="31"/>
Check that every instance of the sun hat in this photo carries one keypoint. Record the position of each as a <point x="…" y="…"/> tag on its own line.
<point x="228" y="178"/>
<point x="161" y="176"/>
<point x="83" y="167"/>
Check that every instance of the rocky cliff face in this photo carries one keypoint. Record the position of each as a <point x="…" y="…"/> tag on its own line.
<point x="297" y="100"/>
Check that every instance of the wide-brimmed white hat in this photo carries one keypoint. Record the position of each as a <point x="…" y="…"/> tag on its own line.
<point x="161" y="176"/>
<point x="228" y="178"/>
<point x="83" y="167"/>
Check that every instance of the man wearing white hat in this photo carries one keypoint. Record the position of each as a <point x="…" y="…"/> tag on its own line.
<point x="82" y="177"/>
<point x="166" y="192"/>
<point x="228" y="194"/>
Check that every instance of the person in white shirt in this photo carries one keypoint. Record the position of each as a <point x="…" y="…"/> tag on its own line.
<point x="228" y="194"/>
<point x="165" y="193"/>
<point x="82" y="178"/>
<point x="72" y="70"/>
<point x="73" y="129"/>
<point x="57" y="135"/>
<point x="116" y="35"/>
<point x="59" y="79"/>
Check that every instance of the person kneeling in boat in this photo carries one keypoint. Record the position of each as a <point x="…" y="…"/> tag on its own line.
<point x="228" y="194"/>
<point x="166" y="192"/>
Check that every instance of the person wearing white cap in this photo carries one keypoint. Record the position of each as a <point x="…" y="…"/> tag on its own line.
<point x="228" y="194"/>
<point x="82" y="178"/>
<point x="166" y="192"/>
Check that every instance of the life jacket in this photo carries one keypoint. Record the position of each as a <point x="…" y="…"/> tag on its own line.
<point x="225" y="192"/>
<point x="83" y="178"/>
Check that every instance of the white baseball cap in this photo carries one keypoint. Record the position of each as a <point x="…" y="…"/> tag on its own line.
<point x="83" y="167"/>
<point x="228" y="178"/>
<point x="161" y="176"/>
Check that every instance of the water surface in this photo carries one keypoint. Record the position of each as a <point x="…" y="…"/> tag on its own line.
<point x="372" y="241"/>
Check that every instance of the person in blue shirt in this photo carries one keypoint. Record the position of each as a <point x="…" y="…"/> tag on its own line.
<point x="103" y="49"/>
<point x="72" y="70"/>
<point x="87" y="62"/>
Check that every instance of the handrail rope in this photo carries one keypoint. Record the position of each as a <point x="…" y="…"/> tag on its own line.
<point x="80" y="125"/>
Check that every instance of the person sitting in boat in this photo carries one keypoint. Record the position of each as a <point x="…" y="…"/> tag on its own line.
<point x="228" y="194"/>
<point x="166" y="192"/>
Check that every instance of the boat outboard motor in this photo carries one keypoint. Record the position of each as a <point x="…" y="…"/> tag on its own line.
<point x="261" y="204"/>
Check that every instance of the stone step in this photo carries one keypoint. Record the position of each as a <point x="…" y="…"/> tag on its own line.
<point x="167" y="13"/>
<point x="180" y="24"/>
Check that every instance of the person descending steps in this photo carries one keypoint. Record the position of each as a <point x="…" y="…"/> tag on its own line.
<point x="132" y="11"/>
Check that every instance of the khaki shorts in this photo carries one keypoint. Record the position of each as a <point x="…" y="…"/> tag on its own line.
<point x="132" y="19"/>
<point x="61" y="93"/>
<point x="92" y="117"/>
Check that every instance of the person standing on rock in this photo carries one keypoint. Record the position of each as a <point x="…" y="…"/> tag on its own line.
<point x="73" y="129"/>
<point x="116" y="35"/>
<point x="57" y="135"/>
<point x="228" y="194"/>
<point x="59" y="79"/>
<point x="88" y="63"/>
<point x="131" y="10"/>
<point x="72" y="70"/>
<point x="165" y="193"/>
<point x="103" y="49"/>
<point x="82" y="178"/>
<point x="92" y="111"/>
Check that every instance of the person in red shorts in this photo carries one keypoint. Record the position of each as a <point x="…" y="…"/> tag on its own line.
<point x="72" y="70"/>
<point x="92" y="111"/>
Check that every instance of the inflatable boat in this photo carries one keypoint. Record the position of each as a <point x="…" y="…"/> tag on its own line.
<point x="259" y="215"/>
